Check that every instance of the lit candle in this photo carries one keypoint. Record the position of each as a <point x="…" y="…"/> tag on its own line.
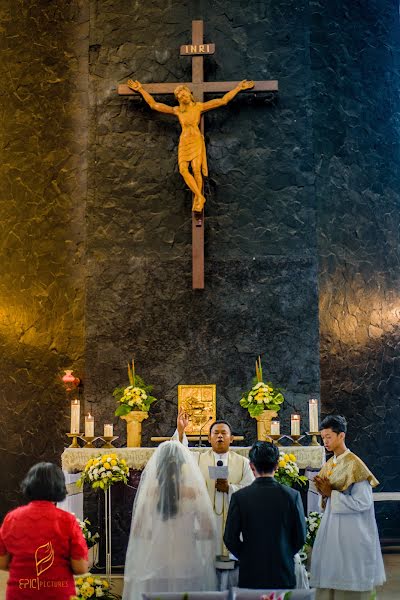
<point x="275" y="427"/>
<point x="108" y="430"/>
<point x="313" y="415"/>
<point x="89" y="426"/>
<point x="295" y="424"/>
<point x="75" y="416"/>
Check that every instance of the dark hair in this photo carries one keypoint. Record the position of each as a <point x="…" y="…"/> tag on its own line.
<point x="264" y="456"/>
<point x="220" y="422"/>
<point x="44" y="481"/>
<point x="337" y="423"/>
<point x="169" y="479"/>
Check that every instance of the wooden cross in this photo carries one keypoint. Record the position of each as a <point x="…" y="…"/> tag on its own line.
<point x="197" y="49"/>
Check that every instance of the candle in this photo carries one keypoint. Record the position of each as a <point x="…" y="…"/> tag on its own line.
<point x="108" y="430"/>
<point x="313" y="415"/>
<point x="275" y="427"/>
<point x="75" y="416"/>
<point x="89" y="426"/>
<point x="295" y="424"/>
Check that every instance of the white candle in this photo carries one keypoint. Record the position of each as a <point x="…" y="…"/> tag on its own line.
<point x="313" y="414"/>
<point x="295" y="424"/>
<point x="275" y="428"/>
<point x="75" y="416"/>
<point x="108" y="430"/>
<point x="89" y="426"/>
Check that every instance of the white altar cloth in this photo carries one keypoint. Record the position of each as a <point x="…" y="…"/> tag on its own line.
<point x="73" y="460"/>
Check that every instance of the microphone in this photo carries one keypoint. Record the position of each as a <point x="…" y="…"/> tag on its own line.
<point x="200" y="445"/>
<point x="220" y="463"/>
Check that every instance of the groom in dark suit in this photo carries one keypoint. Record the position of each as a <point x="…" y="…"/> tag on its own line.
<point x="270" y="518"/>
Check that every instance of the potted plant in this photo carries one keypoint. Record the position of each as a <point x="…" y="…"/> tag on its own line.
<point x="263" y="401"/>
<point x="134" y="405"/>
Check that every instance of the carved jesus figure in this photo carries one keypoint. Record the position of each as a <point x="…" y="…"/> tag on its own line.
<point x="191" y="149"/>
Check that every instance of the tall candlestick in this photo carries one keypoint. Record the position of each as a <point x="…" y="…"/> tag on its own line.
<point x="295" y="424"/>
<point x="89" y="426"/>
<point x="275" y="427"/>
<point x="313" y="415"/>
<point x="75" y="415"/>
<point x="108" y="430"/>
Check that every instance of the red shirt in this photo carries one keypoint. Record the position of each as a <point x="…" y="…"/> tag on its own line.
<point x="41" y="539"/>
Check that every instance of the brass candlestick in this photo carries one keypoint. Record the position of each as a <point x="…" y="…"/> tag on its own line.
<point x="74" y="437"/>
<point x="295" y="439"/>
<point x="108" y="439"/>
<point x="314" y="437"/>
<point x="275" y="438"/>
<point x="89" y="440"/>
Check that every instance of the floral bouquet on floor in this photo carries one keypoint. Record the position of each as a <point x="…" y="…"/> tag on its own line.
<point x="103" y="471"/>
<point x="93" y="587"/>
<point x="90" y="537"/>
<point x="313" y="521"/>
<point x="262" y="396"/>
<point x="276" y="596"/>
<point x="288" y="471"/>
<point x="136" y="396"/>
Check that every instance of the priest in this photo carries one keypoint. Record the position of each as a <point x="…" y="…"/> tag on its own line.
<point x="346" y="562"/>
<point x="220" y="490"/>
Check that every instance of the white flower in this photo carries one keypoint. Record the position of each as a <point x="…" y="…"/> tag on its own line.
<point x="109" y="474"/>
<point x="99" y="592"/>
<point x="103" y="475"/>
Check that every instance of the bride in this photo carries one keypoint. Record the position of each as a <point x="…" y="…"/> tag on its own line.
<point x="172" y="543"/>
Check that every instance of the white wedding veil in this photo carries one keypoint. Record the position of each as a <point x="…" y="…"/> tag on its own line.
<point x="172" y="544"/>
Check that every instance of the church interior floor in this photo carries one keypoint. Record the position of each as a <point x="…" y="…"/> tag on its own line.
<point x="390" y="591"/>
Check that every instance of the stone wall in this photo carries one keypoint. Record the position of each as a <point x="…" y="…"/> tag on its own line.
<point x="356" y="121"/>
<point x="260" y="294"/>
<point x="43" y="108"/>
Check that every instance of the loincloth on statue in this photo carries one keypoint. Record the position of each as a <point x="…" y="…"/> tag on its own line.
<point x="191" y="147"/>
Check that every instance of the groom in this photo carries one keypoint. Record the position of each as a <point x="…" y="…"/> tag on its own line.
<point x="220" y="490"/>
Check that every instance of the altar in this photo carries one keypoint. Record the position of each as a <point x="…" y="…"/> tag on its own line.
<point x="89" y="504"/>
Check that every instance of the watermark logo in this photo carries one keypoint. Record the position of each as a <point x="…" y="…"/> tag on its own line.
<point x="44" y="558"/>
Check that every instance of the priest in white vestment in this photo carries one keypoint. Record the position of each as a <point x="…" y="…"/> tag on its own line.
<point x="220" y="490"/>
<point x="346" y="562"/>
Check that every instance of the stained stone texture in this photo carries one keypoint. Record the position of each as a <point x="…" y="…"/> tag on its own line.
<point x="261" y="270"/>
<point x="354" y="48"/>
<point x="43" y="107"/>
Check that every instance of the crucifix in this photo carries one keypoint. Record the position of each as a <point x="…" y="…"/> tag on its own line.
<point x="191" y="151"/>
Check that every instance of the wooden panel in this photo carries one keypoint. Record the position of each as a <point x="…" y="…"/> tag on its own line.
<point x="197" y="254"/>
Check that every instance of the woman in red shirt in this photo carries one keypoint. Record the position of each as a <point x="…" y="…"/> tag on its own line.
<point x="41" y="545"/>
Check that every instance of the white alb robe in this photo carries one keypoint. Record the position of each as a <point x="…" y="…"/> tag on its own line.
<point x="220" y="500"/>
<point x="346" y="553"/>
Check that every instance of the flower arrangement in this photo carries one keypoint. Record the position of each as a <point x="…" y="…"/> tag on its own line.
<point x="313" y="521"/>
<point x="93" y="587"/>
<point x="90" y="537"/>
<point x="276" y="596"/>
<point x="103" y="471"/>
<point x="288" y="471"/>
<point x="136" y="396"/>
<point x="262" y="396"/>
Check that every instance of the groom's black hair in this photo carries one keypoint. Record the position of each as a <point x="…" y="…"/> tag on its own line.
<point x="337" y="423"/>
<point x="221" y="422"/>
<point x="264" y="456"/>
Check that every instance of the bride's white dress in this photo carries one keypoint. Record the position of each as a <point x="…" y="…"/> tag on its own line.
<point x="172" y="544"/>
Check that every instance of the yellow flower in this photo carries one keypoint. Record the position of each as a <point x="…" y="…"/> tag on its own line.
<point x="113" y="462"/>
<point x="286" y="457"/>
<point x="113" y="456"/>
<point x="282" y="464"/>
<point x="123" y="461"/>
<point x="105" y="584"/>
<point x="292" y="457"/>
<point x="104" y="458"/>
<point x="90" y="580"/>
<point x="107" y="465"/>
<point x="79" y="581"/>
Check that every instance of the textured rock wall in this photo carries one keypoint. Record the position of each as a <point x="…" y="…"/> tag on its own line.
<point x="355" y="70"/>
<point x="43" y="107"/>
<point x="261" y="273"/>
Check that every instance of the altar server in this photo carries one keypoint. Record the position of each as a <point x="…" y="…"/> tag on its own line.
<point x="220" y="490"/>
<point x="346" y="559"/>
